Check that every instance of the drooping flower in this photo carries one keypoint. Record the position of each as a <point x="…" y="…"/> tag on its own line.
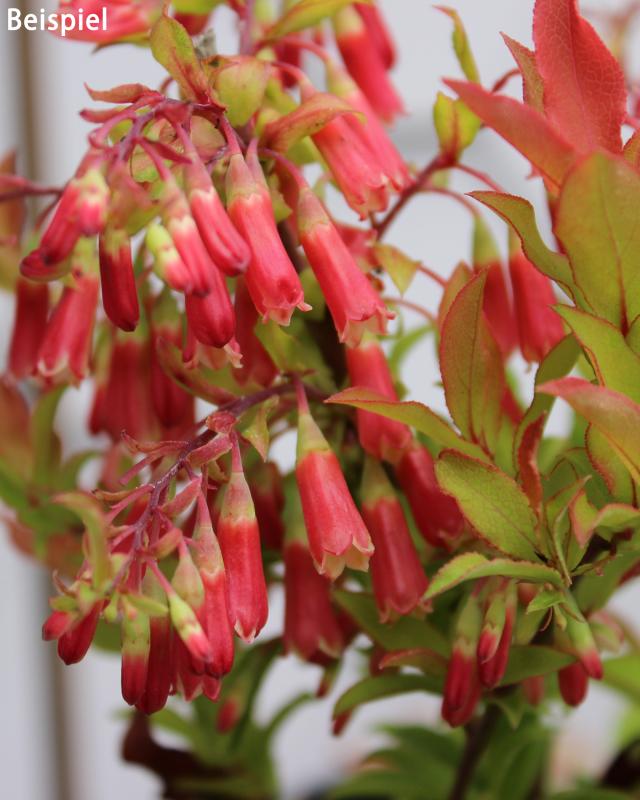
<point x="240" y="542"/>
<point x="436" y="514"/>
<point x="135" y="646"/>
<point x="311" y="628"/>
<point x="399" y="581"/>
<point x="494" y="643"/>
<point x="365" y="63"/>
<point x="119" y="293"/>
<point x="573" y="683"/>
<point x="382" y="438"/>
<point x="125" y="19"/>
<point x="29" y="326"/>
<point x="462" y="686"/>
<point x="378" y="32"/>
<point x="337" y="534"/>
<point x="354" y="304"/>
<point x="211" y="318"/>
<point x="539" y="327"/>
<point x="271" y="278"/>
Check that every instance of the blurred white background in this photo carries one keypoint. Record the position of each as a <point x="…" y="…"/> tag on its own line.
<point x="60" y="730"/>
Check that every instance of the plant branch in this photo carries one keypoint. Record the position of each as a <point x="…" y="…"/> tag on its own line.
<point x="478" y="735"/>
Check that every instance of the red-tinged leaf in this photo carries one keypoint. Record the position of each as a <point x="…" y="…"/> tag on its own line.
<point x="309" y="118"/>
<point x="632" y="150"/>
<point x="522" y="126"/>
<point x="460" y="276"/>
<point x="461" y="45"/>
<point x="305" y="14"/>
<point x="613" y="414"/>
<point x="527" y="461"/>
<point x="597" y="225"/>
<point x="172" y="47"/>
<point x="471" y="566"/>
<point x="414" y="414"/>
<point x="125" y="93"/>
<point x="532" y="86"/>
<point x="584" y="86"/>
<point x="471" y="366"/>
<point x="425" y="660"/>
<point x="586" y="519"/>
<point x="520" y="215"/>
<point x="492" y="502"/>
<point x="614" y="362"/>
<point x="609" y="466"/>
<point x="98" y="116"/>
<point x="183" y="499"/>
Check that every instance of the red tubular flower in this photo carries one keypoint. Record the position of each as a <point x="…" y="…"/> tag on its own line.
<point x="257" y="365"/>
<point x="382" y="438"/>
<point x="119" y="293"/>
<point x="539" y="327"/>
<point x="265" y="483"/>
<point x="214" y="614"/>
<point x="74" y="642"/>
<point x="369" y="129"/>
<point x="224" y="244"/>
<point x="195" y="24"/>
<point x="354" y="166"/>
<point x="136" y="634"/>
<point x="125" y="19"/>
<point x="211" y="318"/>
<point x="66" y="346"/>
<point x="399" y="582"/>
<point x="337" y="534"/>
<point x="365" y="64"/>
<point x="160" y="666"/>
<point x="311" y="628"/>
<point x="82" y="211"/>
<point x="462" y="688"/>
<point x="378" y="32"/>
<point x="495" y="639"/>
<point x="354" y="304"/>
<point x="56" y="624"/>
<point x="271" y="279"/>
<point x="582" y="644"/>
<point x="573" y="682"/>
<point x="240" y="542"/>
<point x="437" y="516"/>
<point x="171" y="403"/>
<point x="497" y="305"/>
<point x="29" y="326"/>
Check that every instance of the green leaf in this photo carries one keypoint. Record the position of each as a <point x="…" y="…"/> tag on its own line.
<point x="404" y="634"/>
<point x="614" y="362"/>
<point x="471" y="566"/>
<point x="520" y="215"/>
<point x="45" y="439"/>
<point x="92" y="515"/>
<point x="461" y="45"/>
<point x="455" y="124"/>
<point x="532" y="660"/>
<point x="623" y="674"/>
<point x="172" y="47"/>
<point x="609" y="466"/>
<point x="412" y="413"/>
<point x="254" y="425"/>
<point x="400" y="268"/>
<point x="596" y="222"/>
<point x="472" y="367"/>
<point x="295" y="350"/>
<point x="240" y="84"/>
<point x="305" y="14"/>
<point x="611" y="413"/>
<point x="492" y="502"/>
<point x="381" y="686"/>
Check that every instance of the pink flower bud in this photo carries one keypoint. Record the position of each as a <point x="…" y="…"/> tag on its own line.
<point x="573" y="682"/>
<point x="462" y="688"/>
<point x="382" y="438"/>
<point x="539" y="327"/>
<point x="57" y="624"/>
<point x="437" y="516"/>
<point x="311" y="627"/>
<point x="240" y="542"/>
<point x="365" y="63"/>
<point x="29" y="326"/>
<point x="66" y="345"/>
<point x="119" y="293"/>
<point x="399" y="581"/>
<point x="271" y="279"/>
<point x="495" y="639"/>
<point x="337" y="535"/>
<point x="354" y="304"/>
<point x="74" y="643"/>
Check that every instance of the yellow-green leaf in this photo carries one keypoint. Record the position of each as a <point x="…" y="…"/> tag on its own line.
<point x="305" y="14"/>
